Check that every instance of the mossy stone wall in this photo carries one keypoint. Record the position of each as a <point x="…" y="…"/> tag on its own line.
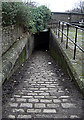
<point x="61" y="58"/>
<point x="10" y="35"/>
<point x="16" y="53"/>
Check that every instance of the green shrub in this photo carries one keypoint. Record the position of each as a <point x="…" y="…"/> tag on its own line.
<point x="34" y="19"/>
<point x="40" y="17"/>
<point x="15" y="13"/>
<point x="8" y="14"/>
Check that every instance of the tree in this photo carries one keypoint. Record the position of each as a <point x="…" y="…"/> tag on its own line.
<point x="78" y="8"/>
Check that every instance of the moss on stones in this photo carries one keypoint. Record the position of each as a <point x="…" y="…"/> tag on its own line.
<point x="63" y="60"/>
<point x="15" y="56"/>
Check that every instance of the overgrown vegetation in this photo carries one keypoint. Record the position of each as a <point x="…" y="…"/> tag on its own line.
<point x="40" y="17"/>
<point x="34" y="19"/>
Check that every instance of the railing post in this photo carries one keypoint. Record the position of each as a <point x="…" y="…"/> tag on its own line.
<point x="59" y="29"/>
<point x="56" y="28"/>
<point x="75" y="44"/>
<point x="51" y="24"/>
<point x="62" y="31"/>
<point x="67" y="36"/>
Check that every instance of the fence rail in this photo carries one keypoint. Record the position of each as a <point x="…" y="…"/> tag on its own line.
<point x="59" y="26"/>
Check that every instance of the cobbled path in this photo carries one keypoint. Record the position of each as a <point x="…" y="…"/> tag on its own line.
<point x="40" y="89"/>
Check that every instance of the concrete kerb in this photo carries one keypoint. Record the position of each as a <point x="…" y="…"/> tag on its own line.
<point x="61" y="58"/>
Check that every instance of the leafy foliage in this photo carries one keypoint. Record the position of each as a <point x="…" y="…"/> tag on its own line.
<point x="14" y="13"/>
<point x="8" y="14"/>
<point x="40" y="17"/>
<point x="34" y="18"/>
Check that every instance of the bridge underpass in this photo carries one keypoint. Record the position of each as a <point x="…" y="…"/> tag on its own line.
<point x="41" y="89"/>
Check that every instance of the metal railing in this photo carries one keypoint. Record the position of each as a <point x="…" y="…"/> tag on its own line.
<point x="59" y="26"/>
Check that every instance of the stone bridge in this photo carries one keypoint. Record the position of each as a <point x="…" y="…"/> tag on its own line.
<point x="38" y="82"/>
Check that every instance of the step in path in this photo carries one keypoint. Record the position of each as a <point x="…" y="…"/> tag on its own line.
<point x="40" y="89"/>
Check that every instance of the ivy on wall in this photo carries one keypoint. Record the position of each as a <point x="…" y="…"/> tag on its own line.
<point x="34" y="19"/>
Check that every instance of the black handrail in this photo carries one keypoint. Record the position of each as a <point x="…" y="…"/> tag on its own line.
<point x="68" y="38"/>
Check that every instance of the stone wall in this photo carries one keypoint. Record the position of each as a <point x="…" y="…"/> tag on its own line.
<point x="63" y="60"/>
<point x="67" y="17"/>
<point x="16" y="50"/>
<point x="9" y="36"/>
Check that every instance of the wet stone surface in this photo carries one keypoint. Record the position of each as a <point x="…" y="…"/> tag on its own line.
<point x="40" y="89"/>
